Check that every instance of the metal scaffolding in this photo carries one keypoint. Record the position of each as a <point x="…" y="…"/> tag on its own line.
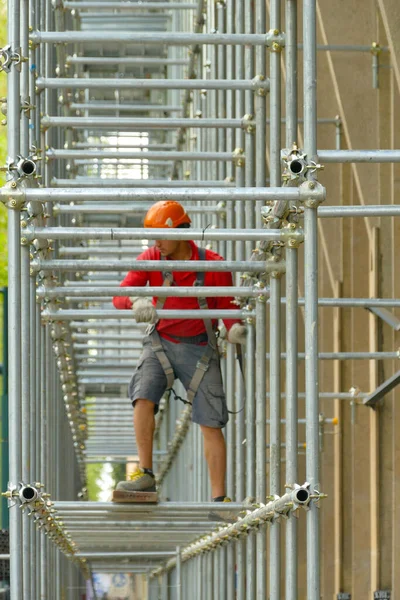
<point x="113" y="106"/>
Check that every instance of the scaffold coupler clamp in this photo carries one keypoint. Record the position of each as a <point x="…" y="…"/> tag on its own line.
<point x="312" y="193"/>
<point x="12" y="194"/>
<point x="17" y="171"/>
<point x="296" y="165"/>
<point x="22" y="494"/>
<point x="275" y="40"/>
<point x="316" y="496"/>
<point x="261" y="85"/>
<point x="248" y="313"/>
<point x="248" y="123"/>
<point x="301" y="497"/>
<point x="238" y="157"/>
<point x="10" y="57"/>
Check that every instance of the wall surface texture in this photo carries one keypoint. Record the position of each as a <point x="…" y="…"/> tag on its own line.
<point x="360" y="258"/>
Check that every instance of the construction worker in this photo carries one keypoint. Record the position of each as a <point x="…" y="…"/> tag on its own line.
<point x="174" y="348"/>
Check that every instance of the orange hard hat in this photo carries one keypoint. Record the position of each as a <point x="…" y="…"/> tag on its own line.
<point x="166" y="213"/>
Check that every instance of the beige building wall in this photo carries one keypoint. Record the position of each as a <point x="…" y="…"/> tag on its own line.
<point x="360" y="258"/>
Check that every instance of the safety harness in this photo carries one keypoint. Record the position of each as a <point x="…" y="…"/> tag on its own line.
<point x="210" y="350"/>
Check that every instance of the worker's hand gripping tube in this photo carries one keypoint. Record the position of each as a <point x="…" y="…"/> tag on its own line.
<point x="237" y="334"/>
<point x="143" y="310"/>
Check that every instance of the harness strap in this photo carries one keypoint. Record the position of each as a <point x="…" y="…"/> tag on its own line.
<point x="168" y="281"/>
<point x="204" y="362"/>
<point x="162" y="357"/>
<point x="201" y="369"/>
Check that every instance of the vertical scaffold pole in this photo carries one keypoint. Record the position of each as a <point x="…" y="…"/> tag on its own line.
<point x="261" y="448"/>
<point x="25" y="408"/>
<point x="311" y="298"/>
<point x="250" y="457"/>
<point x="275" y="180"/>
<point x="26" y="400"/>
<point x="240" y="135"/>
<point x="291" y="414"/>
<point x="249" y="110"/>
<point x="33" y="419"/>
<point x="260" y="110"/>
<point x="291" y="307"/>
<point x="14" y="313"/>
<point x="275" y="429"/>
<point x="4" y="413"/>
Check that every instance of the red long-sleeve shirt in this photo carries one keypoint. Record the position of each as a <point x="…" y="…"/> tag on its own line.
<point x="179" y="327"/>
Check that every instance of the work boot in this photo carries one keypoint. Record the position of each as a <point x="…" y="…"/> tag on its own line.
<point x="224" y="516"/>
<point x="141" y="480"/>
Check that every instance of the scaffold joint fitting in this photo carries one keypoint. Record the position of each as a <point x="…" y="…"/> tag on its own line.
<point x="275" y="40"/>
<point x="10" y="57"/>
<point x="13" y="195"/>
<point x="248" y="123"/>
<point x="376" y="48"/>
<point x="238" y="157"/>
<point x="261" y="87"/>
<point x="312" y="193"/>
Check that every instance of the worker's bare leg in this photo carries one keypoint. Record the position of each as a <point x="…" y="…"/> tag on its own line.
<point x="143" y="422"/>
<point x="215" y="452"/>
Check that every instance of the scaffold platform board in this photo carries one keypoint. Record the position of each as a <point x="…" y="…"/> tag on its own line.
<point x="140" y="497"/>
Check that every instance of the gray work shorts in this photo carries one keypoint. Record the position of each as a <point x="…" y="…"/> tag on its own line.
<point x="149" y="381"/>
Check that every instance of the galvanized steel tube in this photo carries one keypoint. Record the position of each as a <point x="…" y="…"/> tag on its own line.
<point x="261" y="454"/>
<point x="291" y="414"/>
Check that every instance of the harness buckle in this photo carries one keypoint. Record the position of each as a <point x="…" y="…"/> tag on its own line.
<point x="202" y="365"/>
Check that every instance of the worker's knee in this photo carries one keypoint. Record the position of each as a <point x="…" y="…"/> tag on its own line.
<point x="143" y="405"/>
<point x="211" y="432"/>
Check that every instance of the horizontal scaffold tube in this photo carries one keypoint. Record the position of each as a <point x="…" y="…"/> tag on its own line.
<point x="128" y="146"/>
<point x="125" y="60"/>
<point x="350" y="156"/>
<point x="140" y="124"/>
<point x="122" y="555"/>
<point x="142" y="155"/>
<point x="142" y="38"/>
<point x="111" y="106"/>
<point x="110" y="194"/>
<point x="151" y="84"/>
<point x="155" y="265"/>
<point x="129" y="353"/>
<point x="355" y="302"/>
<point x="346" y="48"/>
<point x="160" y="510"/>
<point x="97" y="182"/>
<point x="129" y="5"/>
<point x="111" y="209"/>
<point x="388" y="210"/>
<point x="67" y="315"/>
<point x="145" y="18"/>
<point x="106" y="233"/>
<point x="160" y="292"/>
<point x="283" y="506"/>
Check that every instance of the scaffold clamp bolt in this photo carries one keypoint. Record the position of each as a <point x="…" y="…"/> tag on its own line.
<point x="248" y="123"/>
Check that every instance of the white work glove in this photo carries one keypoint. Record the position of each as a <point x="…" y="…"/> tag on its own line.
<point x="143" y="310"/>
<point x="237" y="334"/>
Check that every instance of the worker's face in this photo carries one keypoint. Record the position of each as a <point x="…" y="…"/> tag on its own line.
<point x="167" y="247"/>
